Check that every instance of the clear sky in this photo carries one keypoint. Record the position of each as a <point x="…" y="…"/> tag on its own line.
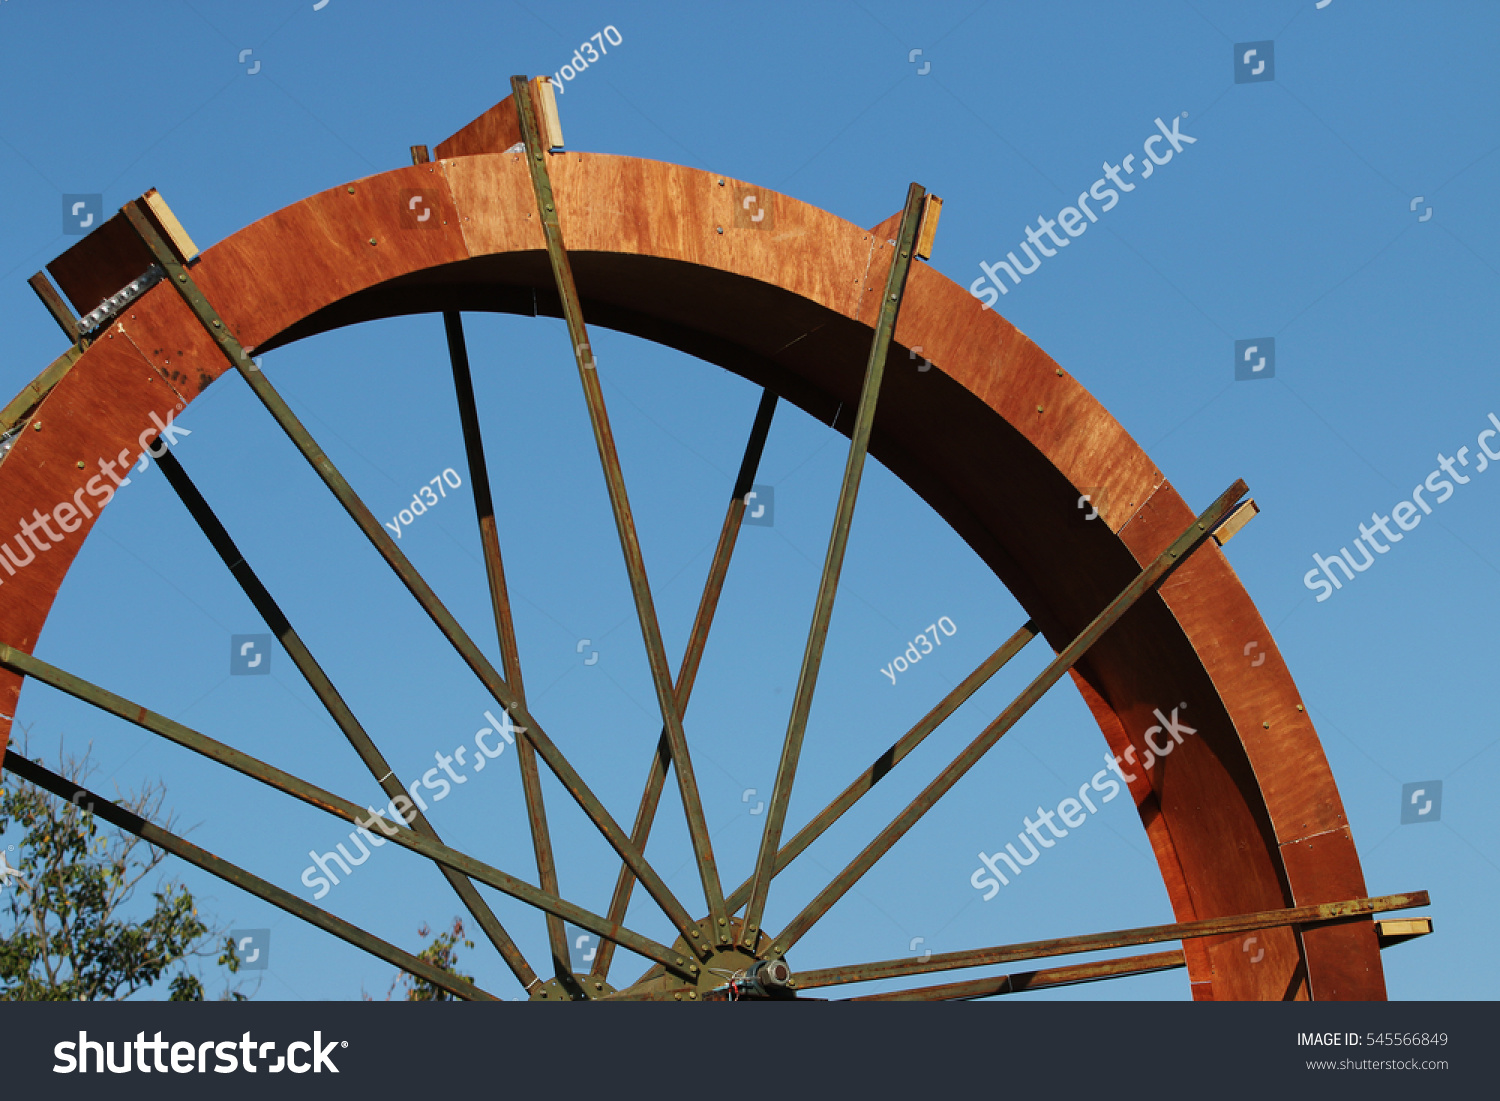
<point x="1338" y="210"/>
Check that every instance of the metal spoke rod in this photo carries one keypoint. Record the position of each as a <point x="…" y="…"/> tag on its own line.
<point x="614" y="478"/>
<point x="1151" y="934"/>
<point x="323" y="688"/>
<point x="417" y="585"/>
<point x="133" y="823"/>
<point x="21" y="662"/>
<point x="1145" y="582"/>
<point x="1027" y="981"/>
<point x="817" y="635"/>
<point x="707" y="605"/>
<point x="510" y="653"/>
<point x="893" y="756"/>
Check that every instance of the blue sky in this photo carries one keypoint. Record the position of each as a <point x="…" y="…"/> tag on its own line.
<point x="1295" y="216"/>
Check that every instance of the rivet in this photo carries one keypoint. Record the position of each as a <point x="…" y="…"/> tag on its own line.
<point x="1266" y="726"/>
<point x="677" y="997"/>
<point x="217" y="325"/>
<point x="893" y="298"/>
<point x="372" y="240"/>
<point x="80" y="464"/>
<point x="723" y="921"/>
<point x="1039" y="409"/>
<point x="351" y="190"/>
<point x="692" y="995"/>
<point x="1059" y="372"/>
<point x="37" y="426"/>
<point x="182" y="278"/>
<point x="1299" y="707"/>
<point x="1200" y="525"/>
<point x="721" y="181"/>
<point x="693" y="932"/>
<point x="718" y="229"/>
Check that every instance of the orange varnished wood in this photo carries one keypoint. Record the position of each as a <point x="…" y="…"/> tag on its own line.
<point x="492" y="132"/>
<point x="996" y="437"/>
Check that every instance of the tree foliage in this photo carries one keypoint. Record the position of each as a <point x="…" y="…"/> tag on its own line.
<point x="442" y="953"/>
<point x="64" y="920"/>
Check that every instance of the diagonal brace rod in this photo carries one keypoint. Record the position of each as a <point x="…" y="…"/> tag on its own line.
<point x="1034" y="980"/>
<point x="510" y="653"/>
<point x="133" y="823"/>
<point x="265" y="604"/>
<point x="1145" y="582"/>
<point x="20" y="661"/>
<point x="712" y="588"/>
<point x="893" y="756"/>
<point x="1318" y="914"/>
<point x="833" y="563"/>
<point x="414" y="582"/>
<point x="614" y="478"/>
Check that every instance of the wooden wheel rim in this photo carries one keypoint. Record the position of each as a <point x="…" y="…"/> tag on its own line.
<point x="995" y="437"/>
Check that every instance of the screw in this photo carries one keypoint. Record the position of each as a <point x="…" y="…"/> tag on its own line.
<point x="718" y="229"/>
